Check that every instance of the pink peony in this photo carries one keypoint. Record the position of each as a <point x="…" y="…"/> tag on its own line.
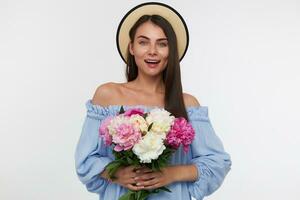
<point x="104" y="132"/>
<point x="134" y="111"/>
<point x="181" y="132"/>
<point x="127" y="135"/>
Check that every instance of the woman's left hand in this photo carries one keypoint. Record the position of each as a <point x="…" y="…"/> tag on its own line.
<point x="154" y="179"/>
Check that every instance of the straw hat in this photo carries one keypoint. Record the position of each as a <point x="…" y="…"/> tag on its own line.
<point x="152" y="8"/>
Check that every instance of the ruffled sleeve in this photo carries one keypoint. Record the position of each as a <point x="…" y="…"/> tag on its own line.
<point x="90" y="156"/>
<point x="208" y="155"/>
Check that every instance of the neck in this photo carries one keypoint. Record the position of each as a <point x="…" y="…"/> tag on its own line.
<point x="150" y="84"/>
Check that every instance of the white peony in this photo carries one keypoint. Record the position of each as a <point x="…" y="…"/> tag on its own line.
<point x="149" y="148"/>
<point x="162" y="121"/>
<point x="140" y="122"/>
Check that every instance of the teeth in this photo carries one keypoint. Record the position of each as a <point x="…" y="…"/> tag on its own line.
<point x="152" y="61"/>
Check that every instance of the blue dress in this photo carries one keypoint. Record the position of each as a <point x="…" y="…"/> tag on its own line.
<point x="206" y="152"/>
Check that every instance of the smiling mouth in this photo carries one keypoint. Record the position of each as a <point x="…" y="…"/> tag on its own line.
<point x="154" y="62"/>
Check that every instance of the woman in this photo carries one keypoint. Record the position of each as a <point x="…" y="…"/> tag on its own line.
<point x="153" y="73"/>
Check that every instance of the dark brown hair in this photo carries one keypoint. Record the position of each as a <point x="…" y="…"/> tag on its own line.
<point x="171" y="75"/>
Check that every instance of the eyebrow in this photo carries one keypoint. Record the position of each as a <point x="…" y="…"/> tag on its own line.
<point x="159" y="39"/>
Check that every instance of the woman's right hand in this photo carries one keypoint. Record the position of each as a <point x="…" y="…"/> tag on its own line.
<point x="125" y="177"/>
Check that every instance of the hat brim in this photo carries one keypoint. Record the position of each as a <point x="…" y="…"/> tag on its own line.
<point x="152" y="8"/>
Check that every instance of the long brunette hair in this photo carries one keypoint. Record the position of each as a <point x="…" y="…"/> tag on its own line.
<point x="173" y="99"/>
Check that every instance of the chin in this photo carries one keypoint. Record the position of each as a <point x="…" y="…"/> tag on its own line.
<point x="152" y="72"/>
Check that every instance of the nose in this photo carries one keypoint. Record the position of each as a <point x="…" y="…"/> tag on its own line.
<point x="152" y="49"/>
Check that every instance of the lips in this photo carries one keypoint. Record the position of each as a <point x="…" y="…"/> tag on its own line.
<point x="152" y="61"/>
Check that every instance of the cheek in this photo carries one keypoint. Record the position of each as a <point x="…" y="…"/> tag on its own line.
<point x="164" y="54"/>
<point x="140" y="52"/>
<point x="139" y="57"/>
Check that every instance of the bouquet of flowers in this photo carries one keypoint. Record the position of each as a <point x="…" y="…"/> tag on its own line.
<point x="144" y="139"/>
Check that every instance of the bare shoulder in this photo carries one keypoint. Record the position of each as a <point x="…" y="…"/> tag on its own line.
<point x="105" y="93"/>
<point x="190" y="100"/>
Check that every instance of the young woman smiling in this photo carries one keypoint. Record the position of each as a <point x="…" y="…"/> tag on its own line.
<point x="152" y="38"/>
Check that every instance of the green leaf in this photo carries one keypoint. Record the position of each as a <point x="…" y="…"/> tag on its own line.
<point x="145" y="115"/>
<point x="152" y="166"/>
<point x="156" y="165"/>
<point x="112" y="168"/>
<point x="165" y="189"/>
<point x="132" y="197"/>
<point x="129" y="160"/>
<point x="141" y="194"/>
<point x="150" y="126"/>
<point x="138" y="194"/>
<point x="145" y="194"/>
<point x="127" y="196"/>
<point x="121" y="110"/>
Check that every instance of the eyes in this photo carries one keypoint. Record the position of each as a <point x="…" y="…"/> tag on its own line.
<point x="159" y="43"/>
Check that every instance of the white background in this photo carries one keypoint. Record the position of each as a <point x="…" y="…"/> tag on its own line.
<point x="243" y="63"/>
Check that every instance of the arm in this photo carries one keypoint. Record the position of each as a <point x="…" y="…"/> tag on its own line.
<point x="147" y="179"/>
<point x="183" y="173"/>
<point x="210" y="158"/>
<point x="91" y="153"/>
<point x="208" y="154"/>
<point x="91" y="156"/>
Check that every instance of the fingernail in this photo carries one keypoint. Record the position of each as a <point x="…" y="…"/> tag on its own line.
<point x="137" y="171"/>
<point x="137" y="183"/>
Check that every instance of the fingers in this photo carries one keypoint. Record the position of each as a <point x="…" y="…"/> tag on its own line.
<point x="151" y="187"/>
<point x="138" y="178"/>
<point x="148" y="183"/>
<point x="125" y="180"/>
<point x="148" y="179"/>
<point x="130" y="169"/>
<point x="125" y="175"/>
<point x="145" y="177"/>
<point x="134" y="187"/>
<point x="143" y="170"/>
<point x="151" y="180"/>
<point x="129" y="172"/>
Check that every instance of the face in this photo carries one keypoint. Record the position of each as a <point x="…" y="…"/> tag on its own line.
<point x="150" y="49"/>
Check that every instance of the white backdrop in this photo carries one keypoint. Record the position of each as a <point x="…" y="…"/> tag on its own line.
<point x="243" y="63"/>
